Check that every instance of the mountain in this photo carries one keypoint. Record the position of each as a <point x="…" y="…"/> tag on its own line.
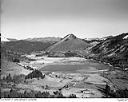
<point x="69" y="43"/>
<point x="45" y="39"/>
<point x="4" y="39"/>
<point x="113" y="50"/>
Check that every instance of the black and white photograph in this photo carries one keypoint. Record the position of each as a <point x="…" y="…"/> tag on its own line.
<point x="73" y="49"/>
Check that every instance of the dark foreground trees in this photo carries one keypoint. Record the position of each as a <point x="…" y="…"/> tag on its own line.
<point x="35" y="74"/>
<point x="33" y="94"/>
<point x="70" y="54"/>
<point x="8" y="78"/>
<point x="16" y="78"/>
<point x="120" y="93"/>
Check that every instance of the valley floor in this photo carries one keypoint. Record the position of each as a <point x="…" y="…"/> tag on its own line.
<point x="72" y="75"/>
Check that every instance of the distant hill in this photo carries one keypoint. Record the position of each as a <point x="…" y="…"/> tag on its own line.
<point x="26" y="47"/>
<point x="45" y="39"/>
<point x="12" y="39"/>
<point x="69" y="43"/>
<point x="113" y="50"/>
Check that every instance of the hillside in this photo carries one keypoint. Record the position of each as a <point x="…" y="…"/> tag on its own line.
<point x="24" y="47"/>
<point x="113" y="50"/>
<point x="69" y="43"/>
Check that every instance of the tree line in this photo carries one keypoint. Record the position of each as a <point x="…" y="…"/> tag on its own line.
<point x="33" y="94"/>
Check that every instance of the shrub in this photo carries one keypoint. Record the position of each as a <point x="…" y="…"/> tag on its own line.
<point x="45" y="94"/>
<point x="58" y="94"/>
<point x="72" y="96"/>
<point x="16" y="60"/>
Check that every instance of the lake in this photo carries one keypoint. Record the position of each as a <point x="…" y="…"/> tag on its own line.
<point x="70" y="65"/>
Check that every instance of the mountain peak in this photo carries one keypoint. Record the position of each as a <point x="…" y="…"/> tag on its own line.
<point x="70" y="36"/>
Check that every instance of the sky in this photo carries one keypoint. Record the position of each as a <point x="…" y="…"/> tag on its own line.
<point x="22" y="19"/>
